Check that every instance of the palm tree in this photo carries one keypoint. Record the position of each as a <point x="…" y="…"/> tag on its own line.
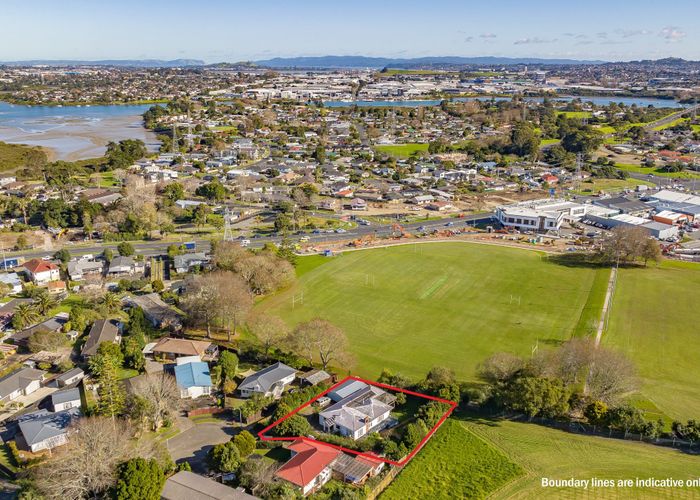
<point x="25" y="314"/>
<point x="44" y="302"/>
<point x="111" y="302"/>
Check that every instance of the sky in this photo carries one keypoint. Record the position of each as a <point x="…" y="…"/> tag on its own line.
<point x="233" y="30"/>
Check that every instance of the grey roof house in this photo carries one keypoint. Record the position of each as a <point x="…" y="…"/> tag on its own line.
<point x="121" y="265"/>
<point x="102" y="331"/>
<point x="66" y="399"/>
<point x="70" y="377"/>
<point x="43" y="430"/>
<point x="20" y="383"/>
<point x="187" y="485"/>
<point x="185" y="262"/>
<point x="270" y="381"/>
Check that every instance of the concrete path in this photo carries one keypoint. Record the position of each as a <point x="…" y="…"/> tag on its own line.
<point x="602" y="322"/>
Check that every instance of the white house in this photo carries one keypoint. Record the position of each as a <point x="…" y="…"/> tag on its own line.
<point x="43" y="430"/>
<point x="358" y="413"/>
<point x="13" y="281"/>
<point x="20" y="383"/>
<point x="65" y="399"/>
<point x="41" y="272"/>
<point x="193" y="379"/>
<point x="269" y="382"/>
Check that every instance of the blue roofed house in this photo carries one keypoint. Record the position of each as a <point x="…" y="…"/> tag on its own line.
<point x="43" y="430"/>
<point x="193" y="379"/>
<point x="269" y="382"/>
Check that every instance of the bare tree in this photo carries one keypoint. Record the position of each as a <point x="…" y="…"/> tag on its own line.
<point x="270" y="330"/>
<point x="321" y="338"/>
<point x="199" y="300"/>
<point x="500" y="367"/>
<point x="625" y="244"/>
<point x="265" y="272"/>
<point x="234" y="299"/>
<point x="227" y="254"/>
<point x="161" y="396"/>
<point x="611" y="375"/>
<point x="86" y="466"/>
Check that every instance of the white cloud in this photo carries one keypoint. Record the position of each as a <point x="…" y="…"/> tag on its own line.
<point x="672" y="34"/>
<point x="488" y="35"/>
<point x="533" y="40"/>
<point x="632" y="33"/>
<point x="469" y="39"/>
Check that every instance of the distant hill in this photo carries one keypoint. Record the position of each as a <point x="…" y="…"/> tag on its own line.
<point x="382" y="62"/>
<point x="131" y="63"/>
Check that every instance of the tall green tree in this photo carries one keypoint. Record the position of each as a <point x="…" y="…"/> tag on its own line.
<point x="139" y="479"/>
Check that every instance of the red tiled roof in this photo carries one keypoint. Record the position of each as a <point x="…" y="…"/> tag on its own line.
<point x="37" y="265"/>
<point x="308" y="462"/>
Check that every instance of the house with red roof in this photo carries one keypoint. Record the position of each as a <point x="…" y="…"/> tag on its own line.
<point x="310" y="467"/>
<point x="550" y="179"/>
<point x="41" y="272"/>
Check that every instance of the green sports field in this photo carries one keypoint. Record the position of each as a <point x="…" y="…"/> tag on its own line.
<point x="402" y="150"/>
<point x="411" y="307"/>
<point x="552" y="453"/>
<point x="470" y="457"/>
<point x="654" y="320"/>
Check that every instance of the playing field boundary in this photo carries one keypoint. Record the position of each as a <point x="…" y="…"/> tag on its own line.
<point x="441" y="240"/>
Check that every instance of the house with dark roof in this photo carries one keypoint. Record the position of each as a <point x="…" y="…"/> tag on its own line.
<point x="310" y="466"/>
<point x="20" y="383"/>
<point x="186" y="485"/>
<point x="51" y="325"/>
<point x="44" y="430"/>
<point x="102" y="330"/>
<point x="172" y="348"/>
<point x="157" y="312"/>
<point x="269" y="382"/>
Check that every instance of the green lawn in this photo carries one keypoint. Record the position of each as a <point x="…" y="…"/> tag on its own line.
<point x="455" y="463"/>
<point x="402" y="150"/>
<point x="606" y="129"/>
<point x="594" y="186"/>
<point x="652" y="319"/>
<point x="672" y="124"/>
<point x="628" y="167"/>
<point x="411" y="307"/>
<point x="576" y="114"/>
<point x="550" y="453"/>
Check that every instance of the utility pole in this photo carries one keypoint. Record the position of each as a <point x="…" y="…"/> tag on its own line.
<point x="577" y="175"/>
<point x="228" y="232"/>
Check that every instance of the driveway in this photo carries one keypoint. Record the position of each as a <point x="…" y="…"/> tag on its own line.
<point x="193" y="444"/>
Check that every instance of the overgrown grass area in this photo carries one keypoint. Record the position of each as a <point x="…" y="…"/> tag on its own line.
<point x="455" y="463"/>
<point x="550" y="453"/>
<point x="411" y="307"/>
<point x="595" y="186"/>
<point x="652" y="321"/>
<point x="402" y="150"/>
<point x="15" y="155"/>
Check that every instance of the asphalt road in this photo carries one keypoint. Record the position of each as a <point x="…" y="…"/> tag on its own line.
<point x="151" y="248"/>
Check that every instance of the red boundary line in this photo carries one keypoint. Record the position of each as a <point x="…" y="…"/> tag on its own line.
<point x="372" y="456"/>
